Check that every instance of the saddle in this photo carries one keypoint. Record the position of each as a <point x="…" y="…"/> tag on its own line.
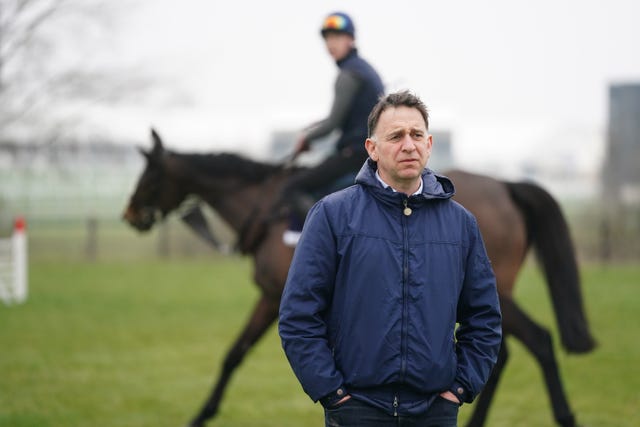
<point x="254" y="229"/>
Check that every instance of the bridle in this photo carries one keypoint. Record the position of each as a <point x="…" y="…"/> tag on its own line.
<point x="149" y="212"/>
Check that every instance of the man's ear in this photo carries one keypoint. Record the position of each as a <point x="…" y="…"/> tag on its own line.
<point x="371" y="147"/>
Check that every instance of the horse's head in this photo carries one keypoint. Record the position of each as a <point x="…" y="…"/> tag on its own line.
<point x="156" y="194"/>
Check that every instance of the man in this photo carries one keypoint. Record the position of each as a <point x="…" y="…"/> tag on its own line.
<point x="357" y="89"/>
<point x="382" y="273"/>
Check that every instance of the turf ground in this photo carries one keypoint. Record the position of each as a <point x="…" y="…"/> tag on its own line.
<point x="126" y="343"/>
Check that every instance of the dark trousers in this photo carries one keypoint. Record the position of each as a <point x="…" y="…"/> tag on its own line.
<point x="304" y="188"/>
<point x="317" y="180"/>
<point x="353" y="413"/>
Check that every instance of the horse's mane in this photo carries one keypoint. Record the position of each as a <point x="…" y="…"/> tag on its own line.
<point x="222" y="165"/>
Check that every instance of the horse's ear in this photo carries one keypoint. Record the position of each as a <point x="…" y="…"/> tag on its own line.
<point x="158" y="148"/>
<point x="145" y="153"/>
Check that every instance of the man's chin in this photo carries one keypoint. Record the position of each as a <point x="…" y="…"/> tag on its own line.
<point x="410" y="174"/>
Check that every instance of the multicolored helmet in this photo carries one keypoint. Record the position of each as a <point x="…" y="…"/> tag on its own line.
<point x="338" y="22"/>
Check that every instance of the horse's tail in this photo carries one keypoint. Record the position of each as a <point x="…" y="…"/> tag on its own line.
<point x="548" y="233"/>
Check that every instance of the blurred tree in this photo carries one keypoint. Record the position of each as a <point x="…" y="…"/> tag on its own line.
<point x="48" y="51"/>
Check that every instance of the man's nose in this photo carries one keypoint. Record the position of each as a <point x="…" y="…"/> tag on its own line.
<point x="408" y="144"/>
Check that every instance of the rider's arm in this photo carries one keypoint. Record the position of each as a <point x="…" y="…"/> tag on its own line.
<point x="346" y="87"/>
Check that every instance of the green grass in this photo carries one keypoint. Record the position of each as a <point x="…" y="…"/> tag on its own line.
<point x="121" y="343"/>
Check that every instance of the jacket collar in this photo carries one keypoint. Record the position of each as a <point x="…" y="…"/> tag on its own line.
<point x="433" y="186"/>
<point x="385" y="185"/>
<point x="352" y="53"/>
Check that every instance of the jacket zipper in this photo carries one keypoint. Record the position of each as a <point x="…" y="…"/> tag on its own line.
<point x="405" y="290"/>
<point x="395" y="406"/>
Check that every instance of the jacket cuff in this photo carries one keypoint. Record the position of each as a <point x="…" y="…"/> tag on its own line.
<point x="332" y="398"/>
<point x="461" y="393"/>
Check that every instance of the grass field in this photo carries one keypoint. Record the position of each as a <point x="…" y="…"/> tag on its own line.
<point x="125" y="343"/>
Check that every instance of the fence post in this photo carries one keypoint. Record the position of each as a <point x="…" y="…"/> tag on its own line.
<point x="605" y="240"/>
<point x="91" y="248"/>
<point x="163" y="240"/>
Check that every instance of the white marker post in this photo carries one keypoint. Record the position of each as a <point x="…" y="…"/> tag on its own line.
<point x="13" y="265"/>
<point x="20" y="261"/>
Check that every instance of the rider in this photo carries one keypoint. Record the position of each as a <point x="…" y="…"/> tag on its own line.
<point x="357" y="89"/>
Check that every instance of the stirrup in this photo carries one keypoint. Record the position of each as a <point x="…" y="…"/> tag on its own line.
<point x="290" y="237"/>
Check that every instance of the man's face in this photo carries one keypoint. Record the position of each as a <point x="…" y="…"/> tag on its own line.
<point x="338" y="44"/>
<point x="401" y="146"/>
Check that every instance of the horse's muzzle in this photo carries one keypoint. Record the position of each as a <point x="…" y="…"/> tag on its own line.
<point x="141" y="220"/>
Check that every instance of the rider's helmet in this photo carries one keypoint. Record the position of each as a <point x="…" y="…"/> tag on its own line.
<point x="338" y="22"/>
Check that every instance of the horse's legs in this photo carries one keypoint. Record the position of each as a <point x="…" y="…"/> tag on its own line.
<point x="538" y="341"/>
<point x="484" y="400"/>
<point x="264" y="314"/>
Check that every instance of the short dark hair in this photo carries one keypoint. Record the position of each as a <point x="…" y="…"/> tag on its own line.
<point x="396" y="99"/>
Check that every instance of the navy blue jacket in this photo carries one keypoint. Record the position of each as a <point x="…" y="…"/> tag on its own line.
<point x="373" y="297"/>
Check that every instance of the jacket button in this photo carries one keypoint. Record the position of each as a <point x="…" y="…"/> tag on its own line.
<point x="339" y="392"/>
<point x="460" y="390"/>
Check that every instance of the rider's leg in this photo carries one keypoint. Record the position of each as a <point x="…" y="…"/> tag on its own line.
<point x="314" y="180"/>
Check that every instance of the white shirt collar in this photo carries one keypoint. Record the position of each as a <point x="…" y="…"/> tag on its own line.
<point x="385" y="185"/>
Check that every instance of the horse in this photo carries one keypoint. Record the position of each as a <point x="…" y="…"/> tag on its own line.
<point x="513" y="217"/>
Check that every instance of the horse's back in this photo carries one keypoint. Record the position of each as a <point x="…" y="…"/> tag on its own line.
<point x="501" y="223"/>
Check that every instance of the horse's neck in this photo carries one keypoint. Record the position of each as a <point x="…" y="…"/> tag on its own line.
<point x="234" y="199"/>
<point x="244" y="203"/>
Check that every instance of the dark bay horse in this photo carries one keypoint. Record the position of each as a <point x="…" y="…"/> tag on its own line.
<point x="512" y="216"/>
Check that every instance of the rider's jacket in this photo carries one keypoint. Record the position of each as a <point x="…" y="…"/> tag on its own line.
<point x="354" y="127"/>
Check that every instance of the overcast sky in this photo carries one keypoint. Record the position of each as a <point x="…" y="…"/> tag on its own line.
<point x="512" y="80"/>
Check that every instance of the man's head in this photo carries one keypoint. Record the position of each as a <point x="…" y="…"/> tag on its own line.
<point x="396" y="99"/>
<point x="339" y="34"/>
<point x="399" y="140"/>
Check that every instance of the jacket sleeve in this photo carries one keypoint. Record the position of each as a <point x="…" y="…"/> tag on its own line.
<point x="479" y="334"/>
<point x="346" y="89"/>
<point x="305" y="301"/>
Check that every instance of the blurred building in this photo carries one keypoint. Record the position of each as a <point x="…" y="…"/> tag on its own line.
<point x="65" y="181"/>
<point x="442" y="153"/>
<point x="283" y="142"/>
<point x="621" y="172"/>
<point x="620" y="226"/>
